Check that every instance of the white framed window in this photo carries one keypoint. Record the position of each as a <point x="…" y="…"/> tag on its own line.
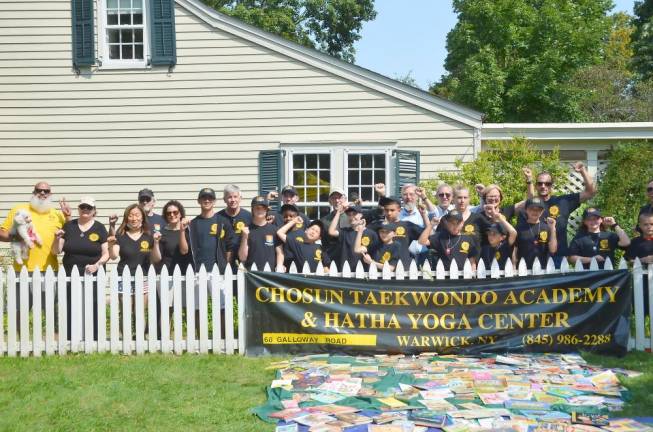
<point x="123" y="35"/>
<point x="355" y="168"/>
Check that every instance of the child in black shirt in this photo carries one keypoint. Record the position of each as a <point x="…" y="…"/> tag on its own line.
<point x="450" y="244"/>
<point x="535" y="239"/>
<point x="591" y="242"/>
<point x="501" y="237"/>
<point x="305" y="247"/>
<point x="347" y="236"/>
<point x="259" y="244"/>
<point x="387" y="250"/>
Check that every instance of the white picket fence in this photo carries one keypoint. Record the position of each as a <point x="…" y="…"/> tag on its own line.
<point x="35" y="334"/>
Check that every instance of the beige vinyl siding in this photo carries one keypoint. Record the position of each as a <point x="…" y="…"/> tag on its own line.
<point x="109" y="133"/>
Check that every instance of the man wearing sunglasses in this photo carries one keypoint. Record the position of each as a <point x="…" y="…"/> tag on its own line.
<point x="444" y="195"/>
<point x="559" y="207"/>
<point x="47" y="221"/>
<point x="146" y="201"/>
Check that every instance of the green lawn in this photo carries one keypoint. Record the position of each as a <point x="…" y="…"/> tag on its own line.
<point x="155" y="392"/>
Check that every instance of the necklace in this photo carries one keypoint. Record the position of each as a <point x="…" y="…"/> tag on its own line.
<point x="451" y="246"/>
<point x="536" y="234"/>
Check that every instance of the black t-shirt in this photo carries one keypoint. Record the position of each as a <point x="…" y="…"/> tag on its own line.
<point x="471" y="227"/>
<point x="156" y="222"/>
<point x="332" y="244"/>
<point x="640" y="247"/>
<point x="170" y="254"/>
<point x="306" y="252"/>
<point x="447" y="247"/>
<point x="603" y="243"/>
<point x="288" y="256"/>
<point x="501" y="253"/>
<point x="390" y="253"/>
<point x="484" y="222"/>
<point x="238" y="222"/>
<point x="262" y="242"/>
<point x="210" y="239"/>
<point x="405" y="233"/>
<point x="346" y="243"/>
<point x="558" y="207"/>
<point x="82" y="248"/>
<point x="134" y="253"/>
<point x="533" y="242"/>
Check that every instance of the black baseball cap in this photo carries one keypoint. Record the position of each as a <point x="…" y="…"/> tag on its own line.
<point x="591" y="212"/>
<point x="206" y="192"/>
<point x="145" y="193"/>
<point x="290" y="189"/>
<point x="454" y="215"/>
<point x="389" y="200"/>
<point x="290" y="207"/>
<point x="354" y="209"/>
<point x="497" y="228"/>
<point x="388" y="226"/>
<point x="259" y="200"/>
<point x="535" y="202"/>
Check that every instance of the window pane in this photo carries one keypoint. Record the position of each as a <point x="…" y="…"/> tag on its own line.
<point x="298" y="178"/>
<point x="298" y="161"/>
<point x="366" y="177"/>
<point x="127" y="52"/>
<point x="324" y="194"/>
<point x="352" y="177"/>
<point x="325" y="161"/>
<point x="125" y="4"/>
<point x="114" y="51"/>
<point x="366" y="194"/>
<point x="114" y="36"/>
<point x="137" y="4"/>
<point x="125" y="19"/>
<point x="138" y="18"/>
<point x="324" y="177"/>
<point x="352" y="159"/>
<point x="139" y="52"/>
<point x="312" y="212"/>
<point x="311" y="161"/>
<point x="311" y="178"/>
<point x="352" y="193"/>
<point x="301" y="193"/>
<point x="126" y="36"/>
<point x="112" y="4"/>
<point x="112" y="19"/>
<point x="379" y="176"/>
<point x="366" y="161"/>
<point x="379" y="161"/>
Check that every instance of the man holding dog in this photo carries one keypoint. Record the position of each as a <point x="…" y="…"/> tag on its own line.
<point x="46" y="219"/>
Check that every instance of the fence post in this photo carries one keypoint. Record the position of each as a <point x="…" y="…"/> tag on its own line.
<point x="114" y="311"/>
<point x="36" y="313"/>
<point x="191" y="283"/>
<point x="89" y="319"/>
<point x="24" y="312"/>
<point x="126" y="311"/>
<point x="481" y="271"/>
<point x="241" y="310"/>
<point x="177" y="306"/>
<point x="11" y="312"/>
<point x="100" y="286"/>
<point x="638" y="292"/>
<point x="649" y="271"/>
<point x="75" y="310"/>
<point x="152" y="321"/>
<point x="495" y="270"/>
<point x="202" y="279"/>
<point x="62" y="307"/>
<point x="227" y="288"/>
<point x="165" y="310"/>
<point x="2" y="310"/>
<point x="216" y="305"/>
<point x="139" y="311"/>
<point x="508" y="269"/>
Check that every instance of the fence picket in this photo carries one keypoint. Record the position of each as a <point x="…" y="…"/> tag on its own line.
<point x="495" y="270"/>
<point x="49" y="311"/>
<point x="101" y="297"/>
<point x="373" y="272"/>
<point x="37" y="340"/>
<point x="240" y="301"/>
<point x="594" y="265"/>
<point x="413" y="270"/>
<point x="139" y="296"/>
<point x="650" y="304"/>
<point x="24" y="312"/>
<point x="467" y="270"/>
<point x="165" y="297"/>
<point x="481" y="271"/>
<point x="453" y="270"/>
<point x="638" y="292"/>
<point x="11" y="312"/>
<point x="75" y="310"/>
<point x="62" y="308"/>
<point x="346" y="270"/>
<point x="216" y="305"/>
<point x="152" y="321"/>
<point x="89" y="319"/>
<point x="537" y="267"/>
<point x="126" y="311"/>
<point x="564" y="266"/>
<point x="190" y="285"/>
<point x="2" y="310"/>
<point x="319" y="270"/>
<point x="508" y="269"/>
<point x="226" y="288"/>
<point x="202" y="279"/>
<point x="360" y="271"/>
<point x="522" y="268"/>
<point x="333" y="270"/>
<point x="400" y="274"/>
<point x="550" y="266"/>
<point x="578" y="266"/>
<point x="176" y="313"/>
<point x="386" y="273"/>
<point x="114" y="311"/>
<point x="607" y="265"/>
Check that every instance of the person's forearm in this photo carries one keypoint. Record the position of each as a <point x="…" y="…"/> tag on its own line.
<point x="4" y="235"/>
<point x="624" y="240"/>
<point x="114" y="251"/>
<point x="333" y="226"/>
<point x="424" y="236"/>
<point x="283" y="231"/>
<point x="183" y="243"/>
<point x="358" y="246"/>
<point x="243" y="249"/>
<point x="57" y="246"/>
<point x="429" y="205"/>
<point x="155" y="255"/>
<point x="104" y="257"/>
<point x="590" y="187"/>
<point x="553" y="241"/>
<point x="280" y="257"/>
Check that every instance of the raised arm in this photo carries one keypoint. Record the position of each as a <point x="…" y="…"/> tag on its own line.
<point x="155" y="253"/>
<point x="243" y="249"/>
<point x="184" y="248"/>
<point x="333" y="226"/>
<point x="553" y="238"/>
<point x="530" y="188"/>
<point x="57" y="245"/>
<point x="282" y="232"/>
<point x="624" y="241"/>
<point x="590" y="187"/>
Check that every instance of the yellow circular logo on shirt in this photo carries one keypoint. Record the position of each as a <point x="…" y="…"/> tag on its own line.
<point x="400" y="231"/>
<point x="604" y="244"/>
<point x="544" y="236"/>
<point x="497" y="255"/>
<point x="300" y="239"/>
<point x="239" y="227"/>
<point x="469" y="229"/>
<point x="214" y="229"/>
<point x="145" y="246"/>
<point x="318" y="255"/>
<point x="554" y="211"/>
<point x="386" y="256"/>
<point x="464" y="246"/>
<point x="222" y="233"/>
<point x="93" y="237"/>
<point x="365" y="241"/>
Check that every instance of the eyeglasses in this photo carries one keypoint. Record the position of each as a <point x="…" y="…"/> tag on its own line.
<point x="444" y="195"/>
<point x="144" y="199"/>
<point x="649" y="189"/>
<point x="172" y="213"/>
<point x="544" y="183"/>
<point x="85" y="207"/>
<point x="41" y="191"/>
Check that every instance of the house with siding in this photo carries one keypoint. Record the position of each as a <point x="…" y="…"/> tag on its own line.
<point x="106" y="97"/>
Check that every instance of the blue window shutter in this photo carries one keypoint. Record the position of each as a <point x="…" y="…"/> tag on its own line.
<point x="163" y="42"/>
<point x="83" y="27"/>
<point x="406" y="169"/>
<point x="270" y="173"/>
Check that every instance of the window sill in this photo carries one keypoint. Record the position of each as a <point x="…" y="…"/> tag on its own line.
<point x="113" y="66"/>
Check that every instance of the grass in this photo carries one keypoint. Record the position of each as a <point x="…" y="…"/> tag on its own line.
<point x="153" y="392"/>
<point x="156" y="392"/>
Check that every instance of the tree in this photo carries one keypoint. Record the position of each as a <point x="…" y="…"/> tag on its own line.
<point x="512" y="59"/>
<point x="622" y="188"/>
<point x="501" y="163"/>
<point x="332" y="26"/>
<point x="643" y="38"/>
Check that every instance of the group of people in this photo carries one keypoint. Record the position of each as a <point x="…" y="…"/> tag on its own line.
<point x="405" y="228"/>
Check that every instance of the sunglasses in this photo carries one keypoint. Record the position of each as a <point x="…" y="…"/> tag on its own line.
<point x="544" y="183"/>
<point x="172" y="213"/>
<point x="85" y="207"/>
<point x="144" y="199"/>
<point x="444" y="195"/>
<point x="41" y="191"/>
<point x="649" y="189"/>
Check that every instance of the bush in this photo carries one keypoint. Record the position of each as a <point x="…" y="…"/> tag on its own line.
<point x="622" y="188"/>
<point x="501" y="163"/>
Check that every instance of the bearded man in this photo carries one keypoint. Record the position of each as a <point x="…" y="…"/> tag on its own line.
<point x="47" y="221"/>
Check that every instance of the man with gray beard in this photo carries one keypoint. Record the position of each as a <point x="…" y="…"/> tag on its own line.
<point x="47" y="221"/>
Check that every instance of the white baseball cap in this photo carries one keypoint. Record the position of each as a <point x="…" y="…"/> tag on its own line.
<point x="87" y="200"/>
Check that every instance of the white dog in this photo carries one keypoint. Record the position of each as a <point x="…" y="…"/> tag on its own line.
<point x="24" y="236"/>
